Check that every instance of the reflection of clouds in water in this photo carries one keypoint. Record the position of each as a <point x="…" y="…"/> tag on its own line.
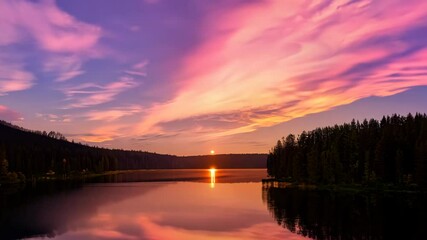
<point x="51" y="214"/>
<point x="150" y="210"/>
<point x="148" y="229"/>
<point x="218" y="219"/>
<point x="185" y="211"/>
<point x="265" y="230"/>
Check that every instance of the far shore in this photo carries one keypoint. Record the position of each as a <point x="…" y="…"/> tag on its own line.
<point x="373" y="187"/>
<point x="88" y="175"/>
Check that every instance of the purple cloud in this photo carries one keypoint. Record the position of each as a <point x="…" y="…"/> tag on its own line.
<point x="9" y="115"/>
<point x="51" y="28"/>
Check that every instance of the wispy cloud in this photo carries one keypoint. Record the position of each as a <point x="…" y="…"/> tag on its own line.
<point x="152" y="1"/>
<point x="102" y="134"/>
<point x="135" y="28"/>
<point x="9" y="114"/>
<point x="65" y="67"/>
<point x="220" y="122"/>
<point x="61" y="41"/>
<point x="54" y="118"/>
<point x="112" y="113"/>
<point x="138" y="69"/>
<point x="13" y="77"/>
<point x="90" y="94"/>
<point x="53" y="29"/>
<point x="155" y="137"/>
<point x="314" y="54"/>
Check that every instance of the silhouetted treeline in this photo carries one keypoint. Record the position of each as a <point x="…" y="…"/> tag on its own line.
<point x="393" y="150"/>
<point x="34" y="153"/>
<point x="330" y="215"/>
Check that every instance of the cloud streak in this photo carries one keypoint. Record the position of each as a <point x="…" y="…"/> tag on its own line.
<point x="313" y="54"/>
<point x="103" y="133"/>
<point x="138" y="69"/>
<point x="54" y="118"/>
<point x="113" y="113"/>
<point x="65" y="67"/>
<point x="90" y="94"/>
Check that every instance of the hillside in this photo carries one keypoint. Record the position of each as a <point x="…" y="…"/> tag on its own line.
<point x="35" y="153"/>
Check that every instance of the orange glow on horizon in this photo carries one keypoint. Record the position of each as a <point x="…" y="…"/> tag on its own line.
<point x="212" y="152"/>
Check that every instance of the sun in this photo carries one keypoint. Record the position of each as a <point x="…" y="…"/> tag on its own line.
<point x="212" y="152"/>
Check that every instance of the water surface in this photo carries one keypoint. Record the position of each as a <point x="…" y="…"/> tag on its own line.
<point x="188" y="204"/>
<point x="169" y="204"/>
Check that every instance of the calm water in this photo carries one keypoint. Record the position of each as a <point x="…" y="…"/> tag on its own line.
<point x="192" y="204"/>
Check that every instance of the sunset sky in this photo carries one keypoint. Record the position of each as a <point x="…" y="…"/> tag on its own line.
<point x="190" y="76"/>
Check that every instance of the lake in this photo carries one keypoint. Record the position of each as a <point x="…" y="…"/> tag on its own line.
<point x="202" y="204"/>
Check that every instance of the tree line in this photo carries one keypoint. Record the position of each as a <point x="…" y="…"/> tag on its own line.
<point x="33" y="153"/>
<point x="392" y="150"/>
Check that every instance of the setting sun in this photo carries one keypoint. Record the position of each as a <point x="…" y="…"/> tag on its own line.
<point x="212" y="152"/>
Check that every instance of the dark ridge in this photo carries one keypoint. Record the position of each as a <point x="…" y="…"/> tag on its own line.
<point x="36" y="153"/>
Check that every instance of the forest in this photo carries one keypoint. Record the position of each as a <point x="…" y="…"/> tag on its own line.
<point x="390" y="151"/>
<point x="25" y="154"/>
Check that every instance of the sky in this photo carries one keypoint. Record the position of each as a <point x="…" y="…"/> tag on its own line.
<point x="187" y="77"/>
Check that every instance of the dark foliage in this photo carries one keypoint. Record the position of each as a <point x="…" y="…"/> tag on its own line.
<point x="34" y="153"/>
<point x="392" y="151"/>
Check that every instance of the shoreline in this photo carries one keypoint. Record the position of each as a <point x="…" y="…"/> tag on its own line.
<point x="71" y="177"/>
<point x="355" y="188"/>
<point x="88" y="175"/>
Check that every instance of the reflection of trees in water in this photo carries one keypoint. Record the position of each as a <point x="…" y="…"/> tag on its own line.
<point x="328" y="215"/>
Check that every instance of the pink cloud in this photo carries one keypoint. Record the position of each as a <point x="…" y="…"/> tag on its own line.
<point x="13" y="77"/>
<point x="53" y="29"/>
<point x="103" y="133"/>
<point x="274" y="52"/>
<point x="152" y="230"/>
<point x="69" y="41"/>
<point x="9" y="115"/>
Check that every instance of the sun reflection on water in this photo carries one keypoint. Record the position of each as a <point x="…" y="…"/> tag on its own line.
<point x="212" y="171"/>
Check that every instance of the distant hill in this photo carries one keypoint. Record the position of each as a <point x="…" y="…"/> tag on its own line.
<point x="35" y="152"/>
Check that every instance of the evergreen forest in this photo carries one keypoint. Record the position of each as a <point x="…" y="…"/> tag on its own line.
<point x="392" y="150"/>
